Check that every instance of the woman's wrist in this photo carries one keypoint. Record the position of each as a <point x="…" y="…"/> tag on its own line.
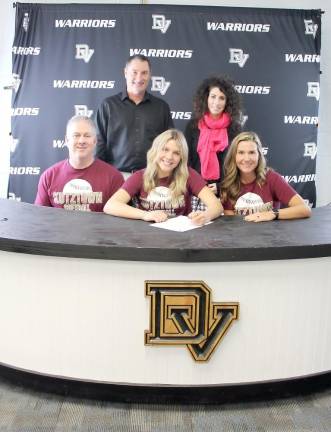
<point x="275" y="212"/>
<point x="207" y="216"/>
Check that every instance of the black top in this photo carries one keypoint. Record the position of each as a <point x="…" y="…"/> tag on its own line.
<point x="127" y="130"/>
<point x="37" y="230"/>
<point x="192" y="134"/>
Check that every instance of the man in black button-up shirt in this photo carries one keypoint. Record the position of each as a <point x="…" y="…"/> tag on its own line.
<point x="129" y="121"/>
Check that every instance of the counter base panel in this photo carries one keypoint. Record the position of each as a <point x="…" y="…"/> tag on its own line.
<point x="85" y="320"/>
<point x="157" y="394"/>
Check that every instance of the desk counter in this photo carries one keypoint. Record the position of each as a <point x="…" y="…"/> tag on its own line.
<point x="74" y="311"/>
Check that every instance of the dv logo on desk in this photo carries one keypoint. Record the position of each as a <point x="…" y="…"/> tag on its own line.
<point x="181" y="313"/>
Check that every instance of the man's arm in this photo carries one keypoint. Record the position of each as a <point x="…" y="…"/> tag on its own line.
<point x="42" y="197"/>
<point x="101" y="121"/>
<point x="167" y="118"/>
<point x="190" y="139"/>
<point x="170" y="121"/>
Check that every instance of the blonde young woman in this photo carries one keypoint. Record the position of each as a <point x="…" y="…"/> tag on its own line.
<point x="165" y="187"/>
<point x="252" y="189"/>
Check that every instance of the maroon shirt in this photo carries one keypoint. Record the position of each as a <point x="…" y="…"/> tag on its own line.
<point x="160" y="197"/>
<point x="86" y="189"/>
<point x="255" y="198"/>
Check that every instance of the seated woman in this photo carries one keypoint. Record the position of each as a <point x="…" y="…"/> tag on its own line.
<point x="216" y="121"/>
<point x="252" y="189"/>
<point x="165" y="187"/>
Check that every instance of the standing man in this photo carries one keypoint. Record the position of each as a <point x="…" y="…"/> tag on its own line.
<point x="80" y="182"/>
<point x="129" y="121"/>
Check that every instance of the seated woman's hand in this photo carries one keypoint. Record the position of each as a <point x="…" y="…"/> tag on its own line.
<point x="199" y="217"/>
<point x="155" y="216"/>
<point x="260" y="217"/>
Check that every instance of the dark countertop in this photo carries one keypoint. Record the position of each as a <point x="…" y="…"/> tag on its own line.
<point x="26" y="228"/>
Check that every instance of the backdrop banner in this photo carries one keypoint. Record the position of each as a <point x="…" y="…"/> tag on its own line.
<point x="68" y="57"/>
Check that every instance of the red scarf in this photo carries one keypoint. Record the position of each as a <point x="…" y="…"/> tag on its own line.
<point x="213" y="139"/>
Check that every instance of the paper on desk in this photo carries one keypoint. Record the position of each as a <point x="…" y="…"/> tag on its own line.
<point x="179" y="223"/>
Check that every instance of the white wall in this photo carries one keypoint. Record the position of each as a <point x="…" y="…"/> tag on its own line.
<point x="7" y="15"/>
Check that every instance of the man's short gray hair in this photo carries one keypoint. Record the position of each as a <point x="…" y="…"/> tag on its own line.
<point x="77" y="118"/>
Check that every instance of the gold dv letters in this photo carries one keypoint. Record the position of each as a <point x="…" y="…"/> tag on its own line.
<point x="181" y="313"/>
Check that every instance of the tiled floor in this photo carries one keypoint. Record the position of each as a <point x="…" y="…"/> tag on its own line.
<point x="22" y="410"/>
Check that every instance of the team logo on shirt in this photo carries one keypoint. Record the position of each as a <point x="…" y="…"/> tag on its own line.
<point x="77" y="195"/>
<point x="160" y="198"/>
<point x="251" y="203"/>
<point x="182" y="313"/>
<point x="160" y="23"/>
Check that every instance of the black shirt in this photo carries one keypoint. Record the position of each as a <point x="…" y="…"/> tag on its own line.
<point x="127" y="130"/>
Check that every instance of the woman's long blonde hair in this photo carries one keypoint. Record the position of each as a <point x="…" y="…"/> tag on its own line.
<point x="179" y="175"/>
<point x="230" y="186"/>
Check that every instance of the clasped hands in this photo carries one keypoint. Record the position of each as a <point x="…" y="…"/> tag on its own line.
<point x="197" y="217"/>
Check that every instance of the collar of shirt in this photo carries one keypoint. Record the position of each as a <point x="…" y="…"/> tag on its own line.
<point x="125" y="95"/>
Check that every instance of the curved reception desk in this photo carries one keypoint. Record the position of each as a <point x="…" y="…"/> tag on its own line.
<point x="97" y="306"/>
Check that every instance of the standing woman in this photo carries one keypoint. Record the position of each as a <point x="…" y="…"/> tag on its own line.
<point x="252" y="189"/>
<point x="216" y="120"/>
<point x="165" y="187"/>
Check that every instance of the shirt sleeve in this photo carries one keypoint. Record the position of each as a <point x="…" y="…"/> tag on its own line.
<point x="192" y="134"/>
<point x="189" y="139"/>
<point x="170" y="123"/>
<point x="134" y="183"/>
<point x="227" y="205"/>
<point x="117" y="181"/>
<point x="101" y="121"/>
<point x="281" y="190"/>
<point x="42" y="197"/>
<point x="195" y="182"/>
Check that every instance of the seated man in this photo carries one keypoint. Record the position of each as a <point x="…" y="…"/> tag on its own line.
<point x="80" y="182"/>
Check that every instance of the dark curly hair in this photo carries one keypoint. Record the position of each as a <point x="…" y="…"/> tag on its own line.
<point x="233" y="100"/>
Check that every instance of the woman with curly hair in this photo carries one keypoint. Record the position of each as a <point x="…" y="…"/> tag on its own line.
<point x="165" y="187"/>
<point x="252" y="189"/>
<point x="216" y="120"/>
